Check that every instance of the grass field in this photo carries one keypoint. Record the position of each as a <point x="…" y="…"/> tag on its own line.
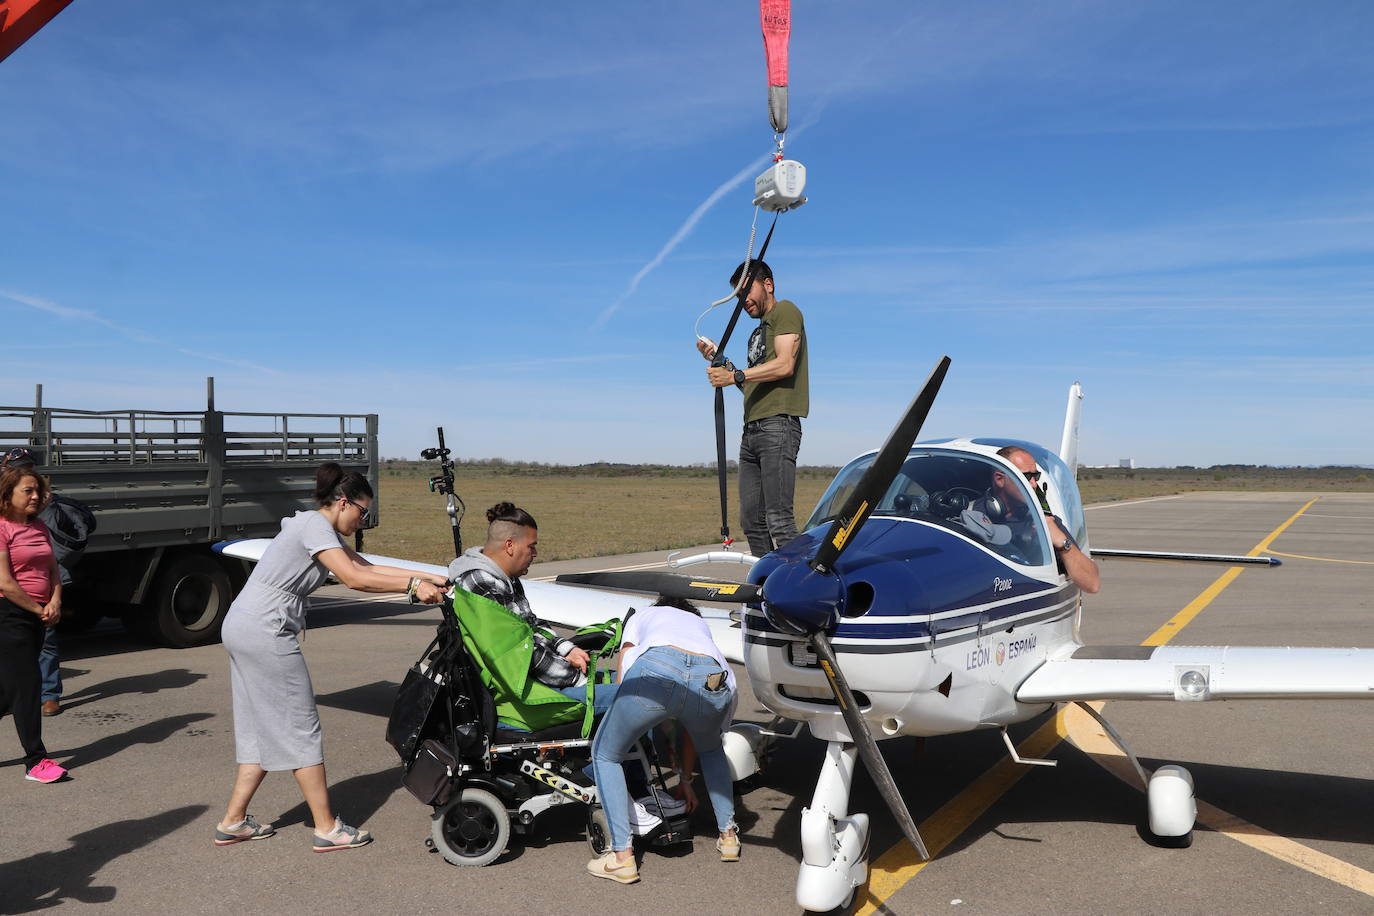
<point x="605" y="510"/>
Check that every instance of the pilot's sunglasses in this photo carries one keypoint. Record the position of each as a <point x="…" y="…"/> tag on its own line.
<point x="1032" y="476"/>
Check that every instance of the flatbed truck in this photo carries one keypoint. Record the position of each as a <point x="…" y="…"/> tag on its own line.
<point x="166" y="485"/>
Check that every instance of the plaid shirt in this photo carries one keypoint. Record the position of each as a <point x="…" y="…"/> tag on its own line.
<point x="479" y="575"/>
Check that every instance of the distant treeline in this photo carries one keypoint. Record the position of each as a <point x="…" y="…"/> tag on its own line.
<point x="504" y="467"/>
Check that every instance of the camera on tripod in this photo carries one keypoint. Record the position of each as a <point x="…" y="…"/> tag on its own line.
<point x="430" y="454"/>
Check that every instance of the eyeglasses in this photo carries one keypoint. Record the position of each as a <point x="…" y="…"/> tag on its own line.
<point x="1032" y="476"/>
<point x="366" y="511"/>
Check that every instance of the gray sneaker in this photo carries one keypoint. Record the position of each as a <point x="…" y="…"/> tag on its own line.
<point x="244" y="830"/>
<point x="341" y="837"/>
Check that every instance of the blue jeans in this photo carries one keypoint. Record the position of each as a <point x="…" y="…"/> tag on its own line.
<point x="48" y="670"/>
<point x="767" y="481"/>
<point x="665" y="683"/>
<point x="602" y="697"/>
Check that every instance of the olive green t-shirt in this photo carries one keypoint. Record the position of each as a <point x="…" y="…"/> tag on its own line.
<point x="789" y="396"/>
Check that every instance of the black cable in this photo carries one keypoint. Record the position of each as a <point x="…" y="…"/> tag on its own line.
<point x="719" y="360"/>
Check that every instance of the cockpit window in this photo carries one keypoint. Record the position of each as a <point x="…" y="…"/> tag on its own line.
<point x="957" y="491"/>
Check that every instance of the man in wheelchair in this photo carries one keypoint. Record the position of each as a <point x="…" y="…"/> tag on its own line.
<point x="493" y="571"/>
<point x="491" y="747"/>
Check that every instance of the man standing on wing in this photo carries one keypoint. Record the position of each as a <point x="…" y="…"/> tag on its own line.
<point x="776" y="397"/>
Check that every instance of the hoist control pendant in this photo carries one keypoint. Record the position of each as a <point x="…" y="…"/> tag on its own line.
<point x="780" y="188"/>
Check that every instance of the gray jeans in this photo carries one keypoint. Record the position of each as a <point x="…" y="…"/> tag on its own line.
<point x="767" y="481"/>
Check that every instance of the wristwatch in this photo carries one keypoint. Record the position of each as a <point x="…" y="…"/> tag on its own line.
<point x="739" y="376"/>
<point x="1063" y="547"/>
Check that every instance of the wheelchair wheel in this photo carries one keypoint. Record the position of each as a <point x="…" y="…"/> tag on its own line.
<point x="472" y="829"/>
<point x="598" y="830"/>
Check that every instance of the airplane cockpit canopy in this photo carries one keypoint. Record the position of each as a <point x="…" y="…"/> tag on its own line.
<point x="950" y="489"/>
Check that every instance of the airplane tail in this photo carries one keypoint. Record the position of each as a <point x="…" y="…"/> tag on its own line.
<point x="1068" y="445"/>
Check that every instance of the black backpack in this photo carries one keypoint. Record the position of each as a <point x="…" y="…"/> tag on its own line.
<point x="71" y="523"/>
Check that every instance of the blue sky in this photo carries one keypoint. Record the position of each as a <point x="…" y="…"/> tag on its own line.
<point x="437" y="212"/>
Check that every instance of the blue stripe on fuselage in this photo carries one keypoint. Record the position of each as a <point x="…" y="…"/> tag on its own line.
<point x="939" y="580"/>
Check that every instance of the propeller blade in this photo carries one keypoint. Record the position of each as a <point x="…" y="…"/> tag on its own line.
<point x="880" y="474"/>
<point x="670" y="585"/>
<point x="863" y="739"/>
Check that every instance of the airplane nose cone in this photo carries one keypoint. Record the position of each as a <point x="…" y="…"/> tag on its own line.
<point x="797" y="599"/>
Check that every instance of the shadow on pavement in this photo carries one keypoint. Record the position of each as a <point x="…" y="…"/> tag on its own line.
<point x="355" y="799"/>
<point x="49" y="879"/>
<point x="170" y="679"/>
<point x="373" y="699"/>
<point x="151" y="733"/>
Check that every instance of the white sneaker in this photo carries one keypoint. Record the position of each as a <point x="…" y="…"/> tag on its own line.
<point x="664" y="805"/>
<point x="642" y="820"/>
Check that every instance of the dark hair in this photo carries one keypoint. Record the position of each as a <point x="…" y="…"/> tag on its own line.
<point x="510" y="512"/>
<point x="682" y="604"/>
<point x="19" y="457"/>
<point x="761" y="271"/>
<point x="11" y="478"/>
<point x="332" y="481"/>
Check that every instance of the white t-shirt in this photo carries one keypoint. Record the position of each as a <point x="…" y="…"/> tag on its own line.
<point x="669" y="626"/>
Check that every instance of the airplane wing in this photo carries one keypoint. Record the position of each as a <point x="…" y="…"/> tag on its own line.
<point x="1201" y="673"/>
<point x="569" y="606"/>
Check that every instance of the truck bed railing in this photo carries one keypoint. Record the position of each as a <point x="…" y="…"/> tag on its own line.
<point x="81" y="438"/>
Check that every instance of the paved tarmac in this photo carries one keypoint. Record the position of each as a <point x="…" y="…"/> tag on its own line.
<point x="148" y="735"/>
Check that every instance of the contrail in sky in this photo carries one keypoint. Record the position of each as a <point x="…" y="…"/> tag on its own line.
<point x="749" y="171"/>
<point x="86" y="315"/>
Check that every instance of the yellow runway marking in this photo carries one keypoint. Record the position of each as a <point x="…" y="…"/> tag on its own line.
<point x="1089" y="738"/>
<point x="891" y="871"/>
<point x="1184" y="617"/>
<point x="1299" y="556"/>
<point x="900" y="864"/>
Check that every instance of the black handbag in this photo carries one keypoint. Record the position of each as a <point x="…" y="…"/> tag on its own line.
<point x="430" y="775"/>
<point x="417" y="701"/>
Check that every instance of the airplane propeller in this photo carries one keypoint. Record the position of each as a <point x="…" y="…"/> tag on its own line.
<point x="880" y="474"/>
<point x="806" y="598"/>
<point x="856" y="511"/>
<point x="669" y="585"/>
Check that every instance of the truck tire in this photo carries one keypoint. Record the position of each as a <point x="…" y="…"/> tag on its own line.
<point x="188" y="602"/>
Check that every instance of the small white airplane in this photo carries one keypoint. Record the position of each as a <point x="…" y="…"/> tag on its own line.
<point x="900" y="612"/>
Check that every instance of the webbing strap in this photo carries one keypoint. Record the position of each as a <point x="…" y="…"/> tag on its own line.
<point x="615" y="625"/>
<point x="720" y="392"/>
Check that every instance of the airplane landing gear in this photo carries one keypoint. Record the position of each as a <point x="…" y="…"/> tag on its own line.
<point x="1172" y="807"/>
<point x="1169" y="792"/>
<point x="834" y="842"/>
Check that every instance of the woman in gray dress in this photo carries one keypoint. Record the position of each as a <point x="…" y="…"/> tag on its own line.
<point x="276" y="724"/>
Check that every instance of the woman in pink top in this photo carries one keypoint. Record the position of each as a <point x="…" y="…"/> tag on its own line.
<point x="30" y="599"/>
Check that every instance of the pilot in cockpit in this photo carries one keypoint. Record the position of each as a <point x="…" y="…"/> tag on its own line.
<point x="1002" y="517"/>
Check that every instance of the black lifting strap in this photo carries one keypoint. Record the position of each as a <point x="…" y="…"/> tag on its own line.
<point x="720" y="392"/>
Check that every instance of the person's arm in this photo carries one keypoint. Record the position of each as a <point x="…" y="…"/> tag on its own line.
<point x="10" y="588"/>
<point x="52" y="611"/>
<point x="361" y="560"/>
<point x="1078" y="566"/>
<point x="781" y="366"/>
<point x="687" y="766"/>
<point x="368" y="578"/>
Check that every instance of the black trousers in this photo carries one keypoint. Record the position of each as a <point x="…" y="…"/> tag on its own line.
<point x="21" y="637"/>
